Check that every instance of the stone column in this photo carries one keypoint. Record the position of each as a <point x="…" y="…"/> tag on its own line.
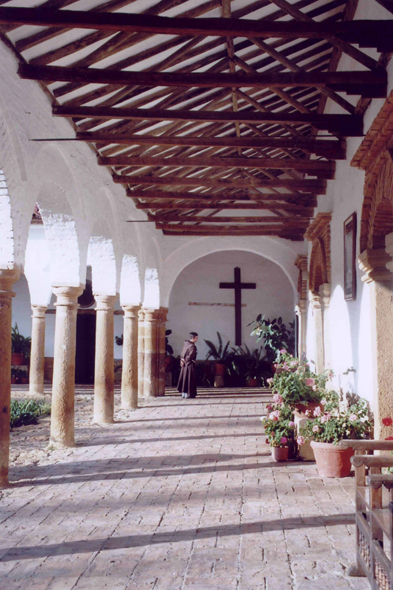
<point x="104" y="372"/>
<point x="151" y="385"/>
<point x="129" y="379"/>
<point x="37" y="355"/>
<point x="161" y="351"/>
<point x="141" y="353"/>
<point x="63" y="389"/>
<point x="377" y="266"/>
<point x="316" y="306"/>
<point x="324" y="296"/>
<point x="7" y="278"/>
<point x="301" y="312"/>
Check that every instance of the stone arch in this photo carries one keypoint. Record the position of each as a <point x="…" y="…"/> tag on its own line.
<point x="102" y="259"/>
<point x="151" y="296"/>
<point x="7" y="245"/>
<point x="130" y="282"/>
<point x="377" y="210"/>
<point x="319" y="268"/>
<point x="273" y="250"/>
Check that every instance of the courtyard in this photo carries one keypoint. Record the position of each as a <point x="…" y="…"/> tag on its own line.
<point x="180" y="494"/>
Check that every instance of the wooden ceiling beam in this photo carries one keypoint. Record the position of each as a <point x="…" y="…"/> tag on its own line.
<point x="222" y="196"/>
<point x="302" y="210"/>
<point x="204" y="219"/>
<point x="294" y="236"/>
<point x="313" y="167"/>
<point x="364" y="32"/>
<point x="366" y="83"/>
<point x="347" y="125"/>
<point x="331" y="149"/>
<point x="310" y="185"/>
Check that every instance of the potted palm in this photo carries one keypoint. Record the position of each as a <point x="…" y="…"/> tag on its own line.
<point x="336" y="421"/>
<point x="221" y="355"/>
<point x="280" y="429"/>
<point x="20" y="346"/>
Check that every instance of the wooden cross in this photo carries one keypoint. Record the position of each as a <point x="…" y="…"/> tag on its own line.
<point x="238" y="286"/>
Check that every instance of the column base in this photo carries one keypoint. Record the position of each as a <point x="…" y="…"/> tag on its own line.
<point x="126" y="407"/>
<point x="102" y="422"/>
<point x="54" y="444"/>
<point x="4" y="483"/>
<point x="353" y="571"/>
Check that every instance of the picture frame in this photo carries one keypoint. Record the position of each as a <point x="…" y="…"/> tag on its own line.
<point x="350" y="226"/>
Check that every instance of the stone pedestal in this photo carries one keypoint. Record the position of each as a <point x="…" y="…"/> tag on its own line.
<point x="63" y="390"/>
<point x="161" y="350"/>
<point x="141" y="354"/>
<point x="151" y="381"/>
<point x="7" y="278"/>
<point x="37" y="355"/>
<point x="129" y="380"/>
<point x="104" y="402"/>
<point x="305" y="451"/>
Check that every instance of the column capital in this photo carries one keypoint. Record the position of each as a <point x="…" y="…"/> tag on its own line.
<point x="315" y="300"/>
<point x="131" y="311"/>
<point x="152" y="315"/>
<point x="38" y="311"/>
<point x="105" y="302"/>
<point x="164" y="313"/>
<point x="324" y="294"/>
<point x="8" y="276"/>
<point x="373" y="263"/>
<point x="67" y="296"/>
<point x="301" y="307"/>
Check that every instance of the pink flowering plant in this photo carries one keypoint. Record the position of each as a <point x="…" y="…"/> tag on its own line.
<point x="279" y="425"/>
<point x="296" y="383"/>
<point x="337" y="421"/>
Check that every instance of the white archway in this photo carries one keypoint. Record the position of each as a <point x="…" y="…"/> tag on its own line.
<point x="102" y="259"/>
<point x="275" y="251"/>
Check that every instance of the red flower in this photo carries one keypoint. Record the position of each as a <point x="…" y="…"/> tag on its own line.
<point x="387" y="421"/>
<point x="389" y="438"/>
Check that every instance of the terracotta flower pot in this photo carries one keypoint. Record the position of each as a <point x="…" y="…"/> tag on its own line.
<point x="280" y="453"/>
<point x="331" y="460"/>
<point x="252" y="382"/>
<point x="219" y="369"/>
<point x="17" y="358"/>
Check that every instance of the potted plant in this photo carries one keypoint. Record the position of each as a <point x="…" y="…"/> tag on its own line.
<point x="20" y="346"/>
<point x="276" y="336"/>
<point x="280" y="429"/>
<point x="221" y="355"/>
<point x="301" y="388"/>
<point x="249" y="366"/>
<point x="335" y="422"/>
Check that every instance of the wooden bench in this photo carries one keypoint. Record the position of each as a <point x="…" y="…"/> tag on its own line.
<point x="374" y="505"/>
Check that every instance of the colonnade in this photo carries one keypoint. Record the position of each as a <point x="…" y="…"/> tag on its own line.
<point x="143" y="374"/>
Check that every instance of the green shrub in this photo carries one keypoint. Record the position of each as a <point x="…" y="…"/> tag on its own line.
<point x="27" y="412"/>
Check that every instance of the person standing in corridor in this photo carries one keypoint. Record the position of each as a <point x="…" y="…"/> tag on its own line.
<point x="187" y="379"/>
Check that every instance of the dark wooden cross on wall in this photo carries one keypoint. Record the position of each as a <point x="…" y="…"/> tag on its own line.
<point x="238" y="286"/>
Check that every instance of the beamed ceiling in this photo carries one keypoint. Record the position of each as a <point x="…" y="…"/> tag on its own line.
<point x="211" y="114"/>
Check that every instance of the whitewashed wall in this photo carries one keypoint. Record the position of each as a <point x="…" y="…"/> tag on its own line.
<point x="199" y="282"/>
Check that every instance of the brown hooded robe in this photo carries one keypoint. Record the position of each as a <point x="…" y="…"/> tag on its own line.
<point x="187" y="378"/>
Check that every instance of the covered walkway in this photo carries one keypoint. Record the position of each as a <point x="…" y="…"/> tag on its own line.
<point x="179" y="494"/>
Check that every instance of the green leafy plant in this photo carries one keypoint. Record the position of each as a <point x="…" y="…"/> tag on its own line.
<point x="220" y="354"/>
<point x="27" y="412"/>
<point x="275" y="334"/>
<point x="20" y="344"/>
<point x="249" y="364"/>
<point x="296" y="383"/>
<point x="337" y="421"/>
<point x="279" y="425"/>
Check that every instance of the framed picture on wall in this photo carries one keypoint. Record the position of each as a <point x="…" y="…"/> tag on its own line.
<point x="350" y="258"/>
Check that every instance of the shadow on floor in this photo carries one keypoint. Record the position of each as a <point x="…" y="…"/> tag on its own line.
<point x="111" y="441"/>
<point x="179" y="536"/>
<point x="146" y="473"/>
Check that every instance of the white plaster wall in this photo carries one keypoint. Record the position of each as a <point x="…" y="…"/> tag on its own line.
<point x="199" y="282"/>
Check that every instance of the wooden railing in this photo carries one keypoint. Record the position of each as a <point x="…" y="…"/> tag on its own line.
<point x="374" y="506"/>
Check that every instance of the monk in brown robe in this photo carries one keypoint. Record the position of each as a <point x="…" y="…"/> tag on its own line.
<point x="187" y="379"/>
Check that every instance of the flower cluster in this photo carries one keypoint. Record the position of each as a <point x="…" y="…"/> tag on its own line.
<point x="279" y="425"/>
<point x="336" y="421"/>
<point x="296" y="383"/>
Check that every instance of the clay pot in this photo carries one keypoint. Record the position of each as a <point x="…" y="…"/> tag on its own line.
<point x="219" y="381"/>
<point x="17" y="358"/>
<point x="332" y="461"/>
<point x="219" y="369"/>
<point x="280" y="453"/>
<point x="252" y="382"/>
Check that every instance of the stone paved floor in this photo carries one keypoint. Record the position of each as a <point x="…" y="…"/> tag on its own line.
<point x="177" y="495"/>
